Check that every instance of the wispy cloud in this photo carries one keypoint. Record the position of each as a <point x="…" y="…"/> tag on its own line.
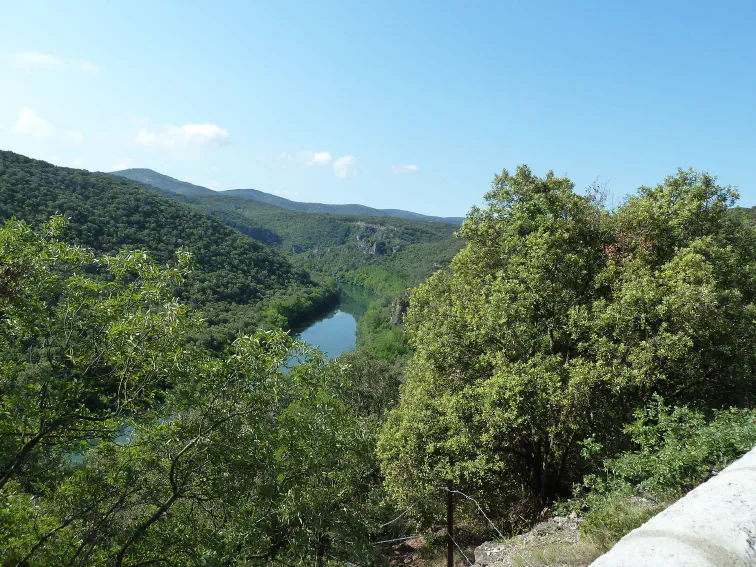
<point x="31" y="123"/>
<point x="29" y="61"/>
<point x="186" y="136"/>
<point x="319" y="158"/>
<point x="74" y="136"/>
<point x="85" y="66"/>
<point x="301" y="160"/>
<point x="125" y="163"/>
<point x="344" y="167"/>
<point x="404" y="168"/>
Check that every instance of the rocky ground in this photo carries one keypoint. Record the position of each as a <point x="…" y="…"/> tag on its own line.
<point x="554" y="542"/>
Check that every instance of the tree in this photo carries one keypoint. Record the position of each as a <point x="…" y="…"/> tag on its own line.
<point x="126" y="444"/>
<point x="556" y="321"/>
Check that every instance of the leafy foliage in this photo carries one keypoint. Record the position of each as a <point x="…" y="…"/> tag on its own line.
<point x="674" y="450"/>
<point x="559" y="319"/>
<point x="238" y="280"/>
<point x="124" y="444"/>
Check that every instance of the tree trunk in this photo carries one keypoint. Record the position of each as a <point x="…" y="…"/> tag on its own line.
<point x="449" y="525"/>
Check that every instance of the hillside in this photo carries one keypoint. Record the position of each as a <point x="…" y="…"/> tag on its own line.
<point x="351" y="209"/>
<point x="182" y="188"/>
<point x="377" y="252"/>
<point x="161" y="181"/>
<point x="239" y="283"/>
<point x="384" y="256"/>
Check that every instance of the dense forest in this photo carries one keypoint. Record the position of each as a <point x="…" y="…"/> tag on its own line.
<point x="383" y="256"/>
<point x="239" y="284"/>
<point x="562" y="357"/>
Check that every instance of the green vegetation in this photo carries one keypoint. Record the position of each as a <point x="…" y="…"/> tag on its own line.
<point x="570" y="357"/>
<point x="558" y="321"/>
<point x="124" y="444"/>
<point x="383" y="256"/>
<point x="675" y="449"/>
<point x="239" y="284"/>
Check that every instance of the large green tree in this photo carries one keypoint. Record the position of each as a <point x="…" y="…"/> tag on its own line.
<point x="556" y="321"/>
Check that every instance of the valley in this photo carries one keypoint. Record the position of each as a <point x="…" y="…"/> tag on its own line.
<point x="314" y="381"/>
<point x="377" y="284"/>
<point x="381" y="256"/>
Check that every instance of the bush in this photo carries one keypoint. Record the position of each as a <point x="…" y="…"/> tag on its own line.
<point x="676" y="449"/>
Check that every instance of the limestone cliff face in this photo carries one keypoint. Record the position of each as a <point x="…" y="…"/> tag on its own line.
<point x="398" y="308"/>
<point x="375" y="240"/>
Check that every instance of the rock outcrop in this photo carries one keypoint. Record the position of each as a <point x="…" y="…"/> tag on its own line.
<point x="562" y="531"/>
<point x="398" y="308"/>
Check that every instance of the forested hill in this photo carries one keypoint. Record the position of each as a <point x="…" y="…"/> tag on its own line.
<point x="161" y="181"/>
<point x="384" y="254"/>
<point x="174" y="185"/>
<point x="351" y="209"/>
<point x="235" y="273"/>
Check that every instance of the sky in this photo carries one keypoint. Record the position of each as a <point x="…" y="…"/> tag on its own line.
<point x="413" y="105"/>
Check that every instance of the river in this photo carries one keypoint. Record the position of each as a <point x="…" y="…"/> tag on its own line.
<point x="336" y="333"/>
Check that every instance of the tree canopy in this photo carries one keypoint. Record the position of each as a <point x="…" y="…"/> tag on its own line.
<point x="559" y="319"/>
<point x="239" y="283"/>
<point x="125" y="444"/>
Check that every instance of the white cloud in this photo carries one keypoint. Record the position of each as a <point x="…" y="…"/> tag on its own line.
<point x="36" y="61"/>
<point x="122" y="164"/>
<point x="33" y="60"/>
<point x="303" y="159"/>
<point x="79" y="161"/>
<point x="85" y="66"/>
<point x="344" y="167"/>
<point x="175" y="137"/>
<point x="31" y="123"/>
<point x="319" y="158"/>
<point x="404" y="168"/>
<point x="74" y="136"/>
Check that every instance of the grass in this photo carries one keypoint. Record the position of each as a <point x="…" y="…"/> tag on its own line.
<point x="563" y="554"/>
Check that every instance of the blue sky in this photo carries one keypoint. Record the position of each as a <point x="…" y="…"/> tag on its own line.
<point x="412" y="105"/>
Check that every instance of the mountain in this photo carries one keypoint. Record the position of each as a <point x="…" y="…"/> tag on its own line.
<point x="161" y="181"/>
<point x="239" y="283"/>
<point x="386" y="254"/>
<point x="360" y="210"/>
<point x="174" y="185"/>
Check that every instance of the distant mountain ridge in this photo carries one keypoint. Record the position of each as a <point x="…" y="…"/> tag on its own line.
<point x="190" y="190"/>
<point x="165" y="182"/>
